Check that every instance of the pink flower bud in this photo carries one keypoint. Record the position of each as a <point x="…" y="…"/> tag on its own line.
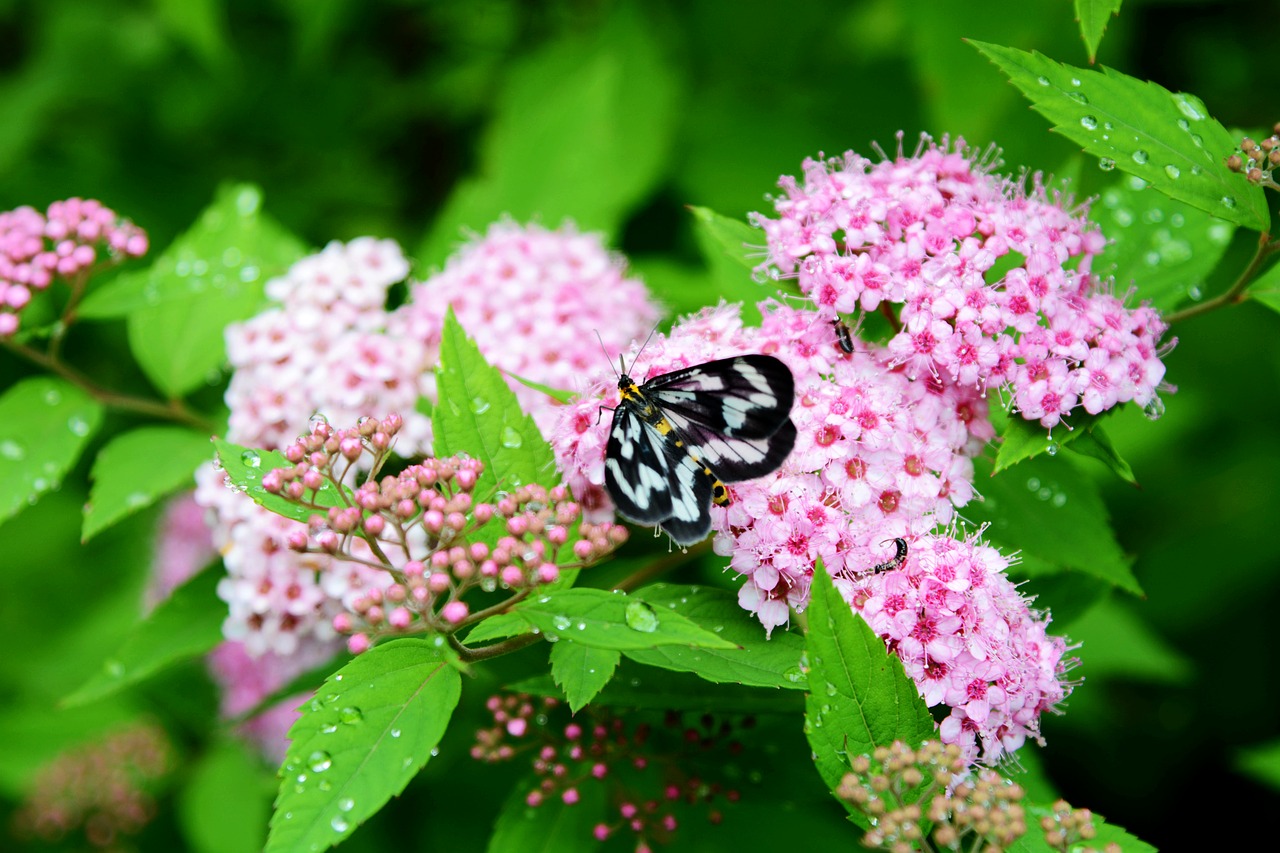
<point x="400" y="618"/>
<point x="358" y="643"/>
<point x="512" y="576"/>
<point x="351" y="448"/>
<point x="374" y="525"/>
<point x="342" y="623"/>
<point x="517" y="727"/>
<point x="570" y="796"/>
<point x="297" y="540"/>
<point x="454" y="612"/>
<point x="548" y="573"/>
<point x="482" y="513"/>
<point x="438" y="582"/>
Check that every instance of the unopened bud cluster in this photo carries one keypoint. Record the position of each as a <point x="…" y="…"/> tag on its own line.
<point x="1257" y="160"/>
<point x="105" y="789"/>
<point x="70" y="237"/>
<point x="647" y="770"/>
<point x="424" y="526"/>
<point x="902" y="791"/>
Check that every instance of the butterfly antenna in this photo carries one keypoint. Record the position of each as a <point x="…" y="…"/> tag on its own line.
<point x="653" y="332"/>
<point x="606" y="354"/>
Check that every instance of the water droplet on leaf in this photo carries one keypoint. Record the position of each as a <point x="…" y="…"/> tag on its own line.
<point x="641" y="617"/>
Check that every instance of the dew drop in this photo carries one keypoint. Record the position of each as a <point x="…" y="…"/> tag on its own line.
<point x="137" y="500"/>
<point x="1089" y="123"/>
<point x="479" y="405"/>
<point x="329" y="729"/>
<point x="511" y="438"/>
<point x="114" y="668"/>
<point x="1043" y="81"/>
<point x="560" y="622"/>
<point x="1059" y="500"/>
<point x="1078" y="97"/>
<point x="249" y="273"/>
<point x="248" y="200"/>
<point x="1141" y="157"/>
<point x="251" y="459"/>
<point x="78" y="425"/>
<point x="641" y="617"/>
<point x="1033" y="484"/>
<point x="794" y="674"/>
<point x="339" y="824"/>
<point x="52" y="397"/>
<point x="1106" y="164"/>
<point x="1188" y="107"/>
<point x="1194" y="292"/>
<point x="351" y="715"/>
<point x="395" y="733"/>
<point x="11" y="450"/>
<point x="1051" y="448"/>
<point x="1154" y="410"/>
<point x="319" y="761"/>
<point x="346" y="804"/>
<point x="1228" y="202"/>
<point x="1172" y="171"/>
<point x="1044" y="494"/>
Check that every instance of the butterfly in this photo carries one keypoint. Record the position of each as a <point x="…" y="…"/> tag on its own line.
<point x="678" y="438"/>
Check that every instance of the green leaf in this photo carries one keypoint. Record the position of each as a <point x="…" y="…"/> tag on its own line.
<point x="1034" y="841"/>
<point x="860" y="696"/>
<point x="245" y="466"/>
<point x="211" y="276"/>
<point x="200" y="25"/>
<point x="636" y="686"/>
<point x="755" y="661"/>
<point x="612" y="620"/>
<point x="1261" y="762"/>
<point x="45" y="423"/>
<point x="1049" y="509"/>
<point x="1023" y="439"/>
<point x="224" y="806"/>
<point x="1116" y="643"/>
<point x="1163" y="248"/>
<point x="583" y="129"/>
<point x="497" y="627"/>
<point x="1169" y="140"/>
<point x="551" y="827"/>
<point x="302" y="683"/>
<point x="1094" y="15"/>
<point x="139" y="467"/>
<point x="554" y="393"/>
<point x="372" y="727"/>
<point x="732" y="249"/>
<point x="186" y="624"/>
<point x="1266" y="288"/>
<point x="479" y="414"/>
<point x="581" y="671"/>
<point x="1096" y="444"/>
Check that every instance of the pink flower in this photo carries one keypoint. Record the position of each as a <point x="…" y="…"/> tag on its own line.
<point x="924" y="232"/>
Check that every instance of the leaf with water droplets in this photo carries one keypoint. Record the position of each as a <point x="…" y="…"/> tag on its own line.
<point x="606" y="620"/>
<point x="753" y="660"/>
<point x="210" y="276"/>
<point x="1156" y="244"/>
<point x="245" y="467"/>
<point x="637" y="686"/>
<point x="406" y="691"/>
<point x="867" y="699"/>
<point x="1023" y="439"/>
<point x="1141" y="127"/>
<point x="1048" y="508"/>
<point x="185" y="625"/>
<point x="581" y="671"/>
<point x="138" y="468"/>
<point x="38" y="442"/>
<point x="1096" y="444"/>
<point x="500" y="435"/>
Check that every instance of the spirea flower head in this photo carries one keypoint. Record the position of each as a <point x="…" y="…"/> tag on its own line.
<point x="534" y="300"/>
<point x="69" y="238"/>
<point x="992" y="282"/>
<point x="877" y="455"/>
<point x="968" y="639"/>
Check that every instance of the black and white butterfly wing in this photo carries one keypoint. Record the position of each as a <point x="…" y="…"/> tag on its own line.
<point x="733" y="413"/>
<point x="654" y="480"/>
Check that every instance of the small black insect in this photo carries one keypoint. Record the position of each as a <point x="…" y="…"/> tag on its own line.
<point x="899" y="557"/>
<point x="844" y="336"/>
<point x="678" y="438"/>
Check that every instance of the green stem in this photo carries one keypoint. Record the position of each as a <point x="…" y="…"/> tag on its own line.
<point x="1238" y="291"/>
<point x="174" y="410"/>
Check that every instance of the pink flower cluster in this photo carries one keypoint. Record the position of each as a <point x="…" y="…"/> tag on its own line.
<point x="992" y="282"/>
<point x="535" y="301"/>
<point x="68" y="238"/>
<point x="878" y="456"/>
<point x="968" y="639"/>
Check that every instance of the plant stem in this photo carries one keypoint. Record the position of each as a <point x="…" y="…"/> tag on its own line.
<point x="1237" y="292"/>
<point x="174" y="410"/>
<point x="666" y="564"/>
<point x="496" y="650"/>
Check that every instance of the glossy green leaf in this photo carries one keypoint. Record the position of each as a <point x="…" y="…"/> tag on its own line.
<point x="45" y="423"/>
<point x="556" y="394"/>
<point x="1023" y="439"/>
<point x="859" y="695"/>
<point x="732" y="249"/>
<point x="479" y="415"/>
<point x="1162" y="248"/>
<point x="185" y="625"/>
<point x="1106" y="834"/>
<point x="139" y="467"/>
<point x="581" y="671"/>
<point x="226" y="801"/>
<point x="1115" y="642"/>
<point x="754" y="661"/>
<point x="211" y="276"/>
<point x="1093" y="16"/>
<point x="244" y="468"/>
<point x="1049" y="509"/>
<point x="1096" y="444"/>
<point x="370" y="729"/>
<point x="1169" y="140"/>
<point x="612" y="620"/>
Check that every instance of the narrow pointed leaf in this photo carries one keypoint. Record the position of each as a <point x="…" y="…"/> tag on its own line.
<point x="138" y="468"/>
<point x="245" y="467"/>
<point x="581" y="671"/>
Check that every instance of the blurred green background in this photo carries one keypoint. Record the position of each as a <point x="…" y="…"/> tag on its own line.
<point x="415" y="120"/>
